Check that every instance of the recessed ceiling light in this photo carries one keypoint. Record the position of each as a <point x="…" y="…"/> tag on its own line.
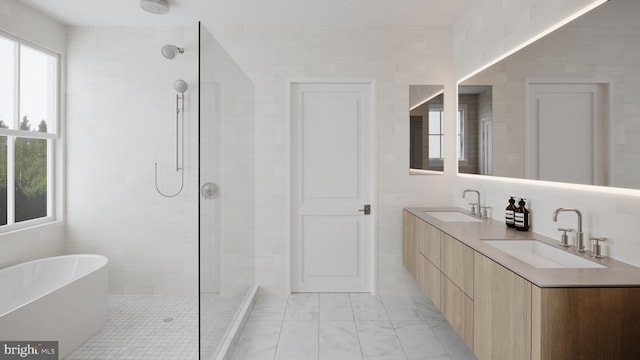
<point x="155" y="6"/>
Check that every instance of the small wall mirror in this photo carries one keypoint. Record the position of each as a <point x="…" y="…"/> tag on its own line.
<point x="426" y="118"/>
<point x="564" y="108"/>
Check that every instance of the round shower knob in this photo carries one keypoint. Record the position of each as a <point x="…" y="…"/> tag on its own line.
<point x="209" y="190"/>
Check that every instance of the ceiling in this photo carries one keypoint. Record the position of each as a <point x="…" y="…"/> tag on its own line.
<point x="257" y="12"/>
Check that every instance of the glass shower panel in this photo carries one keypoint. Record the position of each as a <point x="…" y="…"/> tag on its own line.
<point x="227" y="201"/>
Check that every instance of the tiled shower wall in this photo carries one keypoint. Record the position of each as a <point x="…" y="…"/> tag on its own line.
<point x="121" y="120"/>
<point x="395" y="57"/>
<point x="613" y="213"/>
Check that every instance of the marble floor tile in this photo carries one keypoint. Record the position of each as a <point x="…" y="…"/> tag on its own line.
<point x="454" y="345"/>
<point x="378" y="341"/>
<point x="368" y="307"/>
<point x="335" y="307"/>
<point x="269" y="307"/>
<point x="339" y="341"/>
<point x="298" y="340"/>
<point x="400" y="307"/>
<point x="430" y="313"/>
<point x="302" y="306"/>
<point x="258" y="341"/>
<point x="418" y="340"/>
<point x="359" y="326"/>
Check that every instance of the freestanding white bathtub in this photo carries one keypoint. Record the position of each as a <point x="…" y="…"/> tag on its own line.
<point x="62" y="298"/>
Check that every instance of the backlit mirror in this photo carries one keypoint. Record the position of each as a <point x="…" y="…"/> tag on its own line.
<point x="565" y="108"/>
<point x="426" y="118"/>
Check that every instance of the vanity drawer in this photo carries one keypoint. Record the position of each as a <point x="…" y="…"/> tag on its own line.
<point x="428" y="242"/>
<point x="457" y="263"/>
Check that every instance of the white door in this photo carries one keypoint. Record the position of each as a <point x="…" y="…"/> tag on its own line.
<point x="568" y="133"/>
<point x="332" y="180"/>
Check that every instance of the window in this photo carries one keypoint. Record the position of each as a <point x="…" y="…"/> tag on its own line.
<point x="461" y="131"/>
<point x="28" y="130"/>
<point x="436" y="132"/>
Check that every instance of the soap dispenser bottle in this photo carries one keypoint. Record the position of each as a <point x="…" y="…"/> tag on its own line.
<point x="510" y="213"/>
<point x="522" y="217"/>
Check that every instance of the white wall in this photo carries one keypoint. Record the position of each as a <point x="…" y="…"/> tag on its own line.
<point x="121" y="119"/>
<point x="26" y="23"/>
<point x="613" y="213"/>
<point x="396" y="57"/>
<point x="491" y="28"/>
<point x="46" y="240"/>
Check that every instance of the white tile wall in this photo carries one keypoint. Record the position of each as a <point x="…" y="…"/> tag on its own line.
<point x="121" y="119"/>
<point x="29" y="244"/>
<point x="396" y="57"/>
<point x="607" y="212"/>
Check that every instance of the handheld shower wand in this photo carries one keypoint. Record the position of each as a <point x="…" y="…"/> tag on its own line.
<point x="180" y="86"/>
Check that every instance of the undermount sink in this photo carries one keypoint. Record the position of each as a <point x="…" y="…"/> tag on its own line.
<point x="452" y="216"/>
<point x="541" y="255"/>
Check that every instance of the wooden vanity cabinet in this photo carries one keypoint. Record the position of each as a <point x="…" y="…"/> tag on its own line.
<point x="585" y="323"/>
<point x="502" y="316"/>
<point x="502" y="312"/>
<point x="514" y="319"/>
<point x="409" y="236"/>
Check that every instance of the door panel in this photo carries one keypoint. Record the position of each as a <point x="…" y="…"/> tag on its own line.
<point x="568" y="133"/>
<point x="331" y="181"/>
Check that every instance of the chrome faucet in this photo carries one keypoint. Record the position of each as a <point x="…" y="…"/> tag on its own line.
<point x="473" y="211"/>
<point x="579" y="245"/>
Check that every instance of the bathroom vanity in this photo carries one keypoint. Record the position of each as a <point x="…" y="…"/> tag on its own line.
<point x="509" y="297"/>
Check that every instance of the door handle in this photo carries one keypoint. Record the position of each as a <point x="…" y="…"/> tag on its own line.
<point x="366" y="210"/>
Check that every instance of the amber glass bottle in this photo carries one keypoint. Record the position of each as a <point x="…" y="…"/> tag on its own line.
<point x="522" y="217"/>
<point x="509" y="213"/>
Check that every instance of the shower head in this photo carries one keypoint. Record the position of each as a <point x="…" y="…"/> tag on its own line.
<point x="180" y="86"/>
<point x="170" y="51"/>
<point x="155" y="6"/>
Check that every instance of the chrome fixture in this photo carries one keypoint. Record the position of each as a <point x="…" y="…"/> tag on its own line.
<point x="171" y="51"/>
<point x="180" y="86"/>
<point x="596" y="249"/>
<point x="473" y="205"/>
<point x="564" y="239"/>
<point x="579" y="245"/>
<point x="155" y="6"/>
<point x="209" y="190"/>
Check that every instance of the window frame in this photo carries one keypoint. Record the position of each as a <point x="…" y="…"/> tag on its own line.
<point x="437" y="108"/>
<point x="51" y="136"/>
<point x="461" y="130"/>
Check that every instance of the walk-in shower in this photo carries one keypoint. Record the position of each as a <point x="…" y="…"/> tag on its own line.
<point x="182" y="268"/>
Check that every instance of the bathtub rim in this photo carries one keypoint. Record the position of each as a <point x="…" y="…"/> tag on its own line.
<point x="104" y="261"/>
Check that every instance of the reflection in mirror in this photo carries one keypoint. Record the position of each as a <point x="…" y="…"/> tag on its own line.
<point x="567" y="107"/>
<point x="426" y="116"/>
<point x="474" y="129"/>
